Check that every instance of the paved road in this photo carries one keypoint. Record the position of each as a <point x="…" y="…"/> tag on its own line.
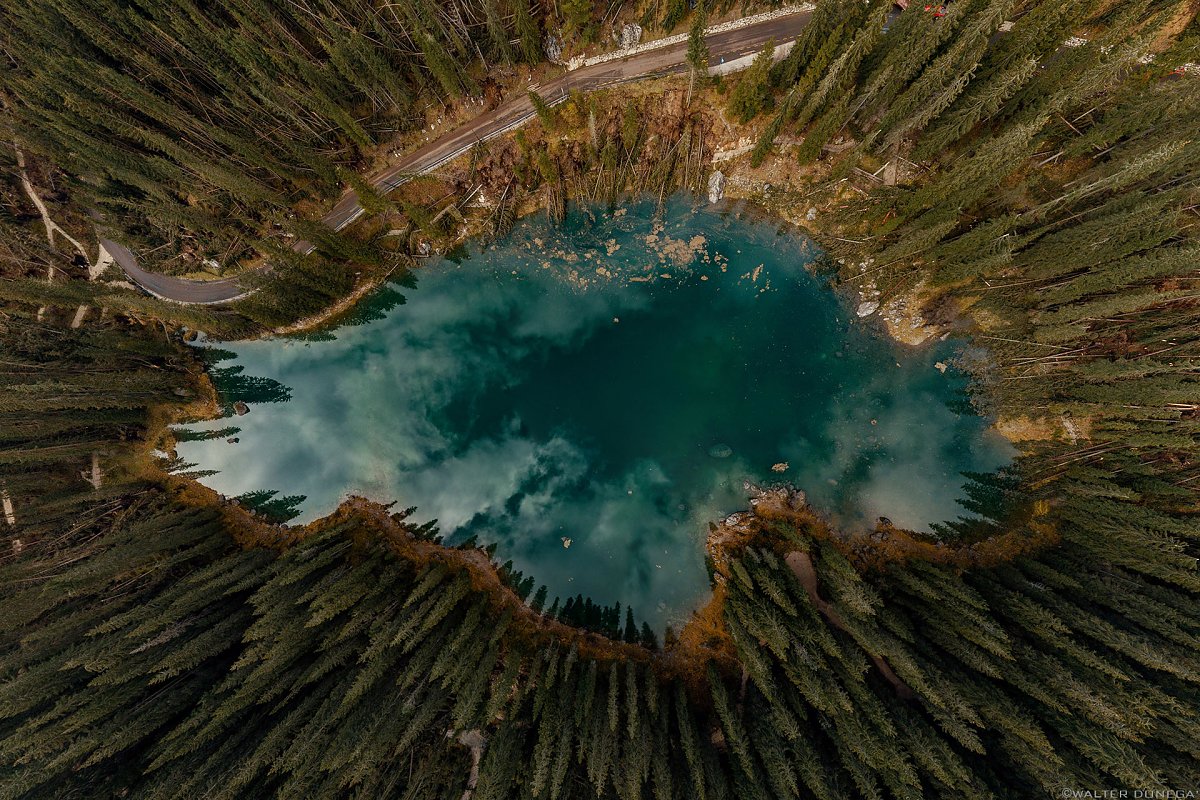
<point x="169" y="288"/>
<point x="724" y="45"/>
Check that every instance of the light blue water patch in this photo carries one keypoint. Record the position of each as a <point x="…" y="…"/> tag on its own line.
<point x="608" y="384"/>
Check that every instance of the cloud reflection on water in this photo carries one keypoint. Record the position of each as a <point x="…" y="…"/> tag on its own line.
<point x="413" y="407"/>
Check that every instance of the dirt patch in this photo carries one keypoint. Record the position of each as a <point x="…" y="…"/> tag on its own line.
<point x="1184" y="15"/>
<point x="1024" y="428"/>
<point x="904" y="317"/>
<point x="1027" y="428"/>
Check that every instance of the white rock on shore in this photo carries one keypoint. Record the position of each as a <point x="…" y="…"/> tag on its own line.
<point x="552" y="46"/>
<point x="716" y="186"/>
<point x="867" y="308"/>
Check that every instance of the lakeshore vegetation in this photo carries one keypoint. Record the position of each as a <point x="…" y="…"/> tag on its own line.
<point x="1045" y="199"/>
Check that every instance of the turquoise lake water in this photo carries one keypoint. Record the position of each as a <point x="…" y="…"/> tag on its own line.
<point x="613" y="382"/>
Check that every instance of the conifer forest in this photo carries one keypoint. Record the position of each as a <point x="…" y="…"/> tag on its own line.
<point x="1027" y="171"/>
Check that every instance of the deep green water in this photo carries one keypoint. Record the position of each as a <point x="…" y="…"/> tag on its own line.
<point x="613" y="381"/>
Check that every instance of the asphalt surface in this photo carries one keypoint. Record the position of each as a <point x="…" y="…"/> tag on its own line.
<point x="725" y="45"/>
<point x="166" y="287"/>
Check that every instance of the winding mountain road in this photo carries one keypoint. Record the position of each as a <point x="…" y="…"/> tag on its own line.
<point x="723" y="45"/>
<point x="726" y="43"/>
<point x="166" y="287"/>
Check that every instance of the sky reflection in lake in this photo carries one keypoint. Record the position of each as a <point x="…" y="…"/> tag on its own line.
<point x="613" y="381"/>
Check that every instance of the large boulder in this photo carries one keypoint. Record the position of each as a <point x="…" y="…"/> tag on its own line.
<point x="631" y="35"/>
<point x="716" y="186"/>
<point x="553" y="47"/>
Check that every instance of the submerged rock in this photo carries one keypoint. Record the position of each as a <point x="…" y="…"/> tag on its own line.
<point x="720" y="451"/>
<point x="716" y="186"/>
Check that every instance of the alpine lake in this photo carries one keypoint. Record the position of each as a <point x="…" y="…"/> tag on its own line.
<point x="589" y="396"/>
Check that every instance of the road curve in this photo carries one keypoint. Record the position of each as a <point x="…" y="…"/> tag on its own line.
<point x="723" y="46"/>
<point x="166" y="287"/>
